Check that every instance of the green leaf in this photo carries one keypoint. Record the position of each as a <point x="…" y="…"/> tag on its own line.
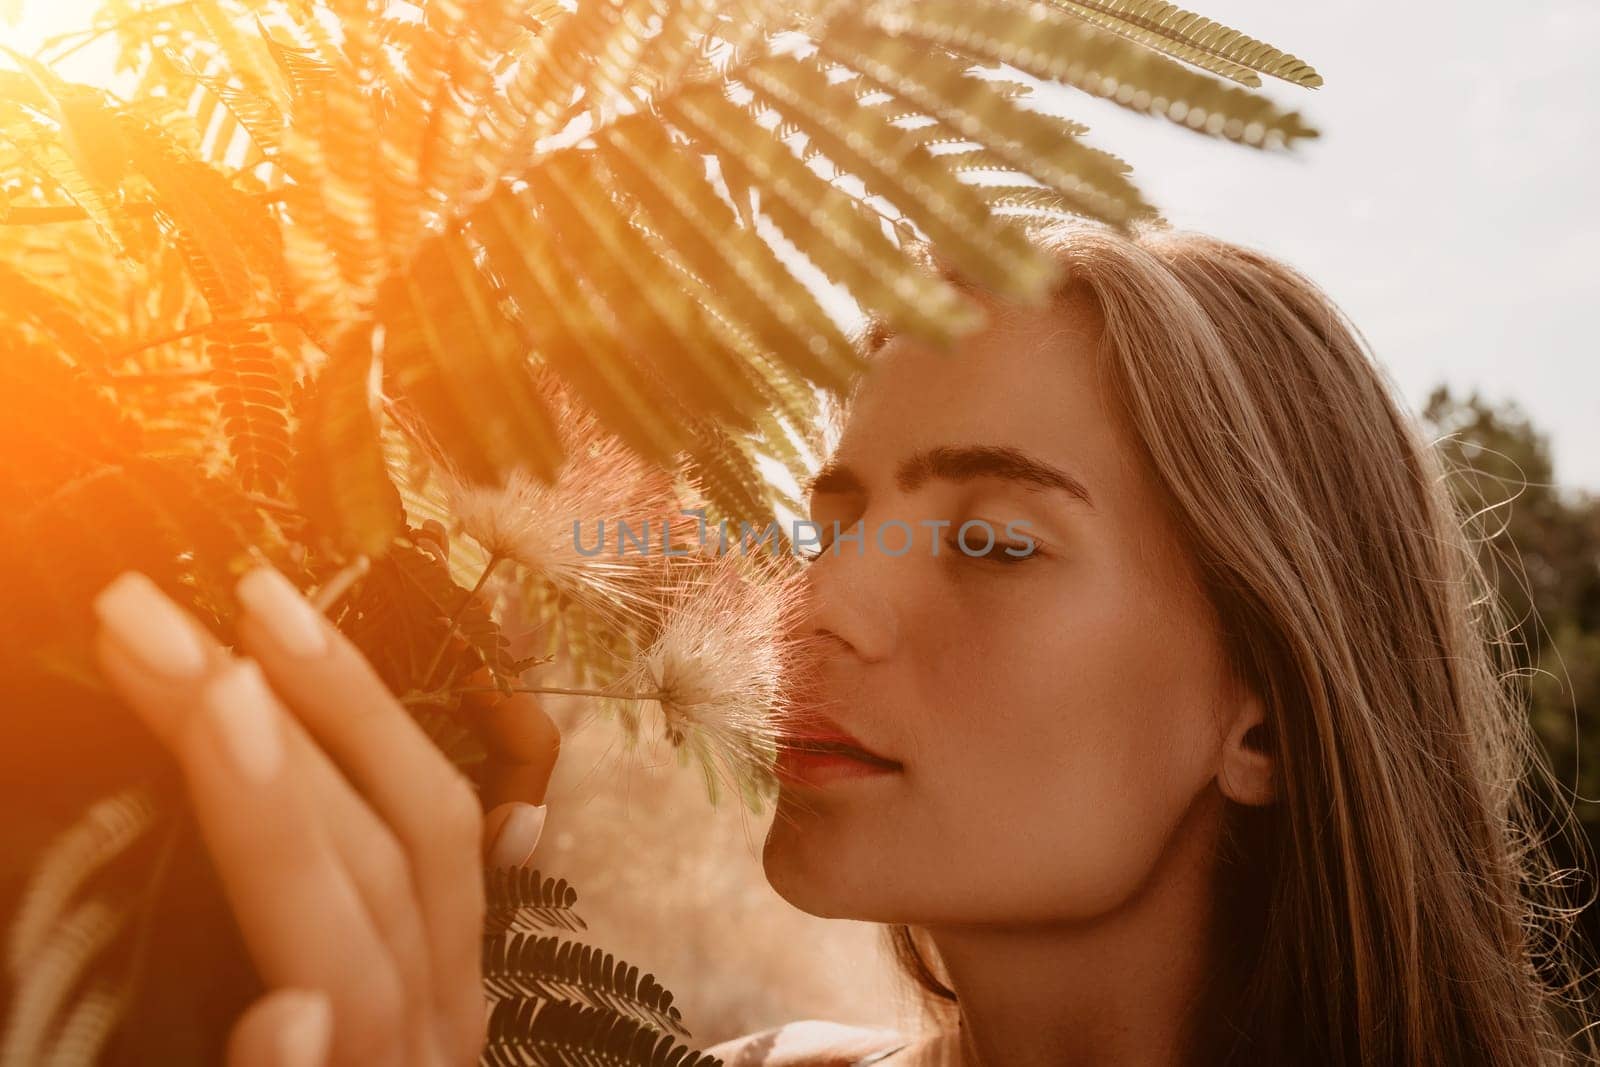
<point x="571" y="329"/>
<point x="342" y="482"/>
<point x="520" y="898"/>
<point x="461" y="363"/>
<point x="647" y="303"/>
<point x="1038" y="40"/>
<point x="894" y="164"/>
<point x="247" y="373"/>
<point x="1026" y="140"/>
<point x="524" y="1032"/>
<point x="1193" y="39"/>
<point x="829" y="226"/>
<point x="523" y="965"/>
<point x="739" y="271"/>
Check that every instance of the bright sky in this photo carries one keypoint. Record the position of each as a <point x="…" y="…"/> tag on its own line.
<point x="42" y="19"/>
<point x="1443" y="207"/>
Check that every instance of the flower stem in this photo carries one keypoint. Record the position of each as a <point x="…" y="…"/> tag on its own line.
<point x="455" y="617"/>
<point x="440" y="695"/>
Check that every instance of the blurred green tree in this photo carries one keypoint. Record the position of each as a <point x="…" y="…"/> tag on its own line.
<point x="1541" y="546"/>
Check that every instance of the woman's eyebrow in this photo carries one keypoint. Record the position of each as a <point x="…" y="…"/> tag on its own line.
<point x="957" y="463"/>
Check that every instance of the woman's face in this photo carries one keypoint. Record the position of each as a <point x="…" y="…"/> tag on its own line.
<point x="1057" y="716"/>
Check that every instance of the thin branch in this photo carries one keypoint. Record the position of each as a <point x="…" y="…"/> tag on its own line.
<point x="340" y="583"/>
<point x="169" y="374"/>
<point x="150" y="896"/>
<point x="94" y="33"/>
<point x="180" y="335"/>
<point x="442" y="696"/>
<point x="455" y="618"/>
<point x="28" y="216"/>
<point x="32" y="215"/>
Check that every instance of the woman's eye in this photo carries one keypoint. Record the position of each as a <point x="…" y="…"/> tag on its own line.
<point x="812" y="552"/>
<point x="997" y="552"/>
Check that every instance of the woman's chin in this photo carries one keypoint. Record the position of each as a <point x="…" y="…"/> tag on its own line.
<point x="791" y="862"/>
<point x="808" y="863"/>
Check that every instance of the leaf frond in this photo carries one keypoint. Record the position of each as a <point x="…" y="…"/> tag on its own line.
<point x="827" y="225"/>
<point x="523" y="899"/>
<point x="479" y="400"/>
<point x="1026" y="140"/>
<point x="570" y="328"/>
<point x="705" y="374"/>
<point x="1193" y="39"/>
<point x="894" y="164"/>
<point x="525" y="1031"/>
<point x="253" y="397"/>
<point x="678" y="200"/>
<point x="522" y="965"/>
<point x="1036" y="39"/>
<point x="59" y="965"/>
<point x="100" y="835"/>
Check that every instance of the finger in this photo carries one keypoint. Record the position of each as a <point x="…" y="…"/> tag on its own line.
<point x="376" y="860"/>
<point x="431" y="807"/>
<point x="367" y="850"/>
<point x="523" y="742"/>
<point x="297" y="907"/>
<point x="287" y="1028"/>
<point x="511" y="832"/>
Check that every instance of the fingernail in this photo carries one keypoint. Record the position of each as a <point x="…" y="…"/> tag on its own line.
<point x="289" y="617"/>
<point x="245" y="718"/>
<point x="518" y="835"/>
<point x="150" y="627"/>
<point x="307" y="1031"/>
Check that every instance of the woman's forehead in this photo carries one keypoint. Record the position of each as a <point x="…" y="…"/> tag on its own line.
<point x="1028" y="379"/>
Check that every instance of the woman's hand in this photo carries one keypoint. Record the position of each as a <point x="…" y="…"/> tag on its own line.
<point x="348" y="845"/>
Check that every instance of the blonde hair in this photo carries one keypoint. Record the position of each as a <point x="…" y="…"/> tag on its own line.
<point x="1407" y="912"/>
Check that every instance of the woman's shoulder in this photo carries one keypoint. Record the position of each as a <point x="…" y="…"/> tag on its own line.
<point x="808" y="1043"/>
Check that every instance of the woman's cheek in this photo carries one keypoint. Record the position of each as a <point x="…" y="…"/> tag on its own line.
<point x="1078" y="800"/>
<point x="1095" y="838"/>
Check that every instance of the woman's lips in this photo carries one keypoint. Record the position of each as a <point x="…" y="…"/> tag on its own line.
<point x="812" y="760"/>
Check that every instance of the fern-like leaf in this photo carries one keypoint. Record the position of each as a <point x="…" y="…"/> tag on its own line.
<point x="341" y="478"/>
<point x="24" y="300"/>
<point x="1193" y="39"/>
<point x="401" y="616"/>
<point x="59" y="965"/>
<point x="645" y="303"/>
<point x="894" y="164"/>
<point x="247" y="375"/>
<point x="478" y="399"/>
<point x="521" y="965"/>
<point x="1034" y="38"/>
<point x="100" y="835"/>
<point x="1026" y="140"/>
<point x="251" y="109"/>
<point x="520" y="898"/>
<point x="570" y="328"/>
<point x="829" y="226"/>
<point x="304" y="68"/>
<point x="558" y="1033"/>
<point x="226" y="236"/>
<point x="89" y="1024"/>
<point x="679" y="203"/>
<point x="722" y="466"/>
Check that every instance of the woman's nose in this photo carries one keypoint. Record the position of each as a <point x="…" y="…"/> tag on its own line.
<point x="850" y="597"/>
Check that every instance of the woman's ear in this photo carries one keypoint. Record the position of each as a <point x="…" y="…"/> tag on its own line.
<point x="1247" y="772"/>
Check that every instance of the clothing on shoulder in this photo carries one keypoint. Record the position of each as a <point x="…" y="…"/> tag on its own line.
<point x="812" y="1043"/>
